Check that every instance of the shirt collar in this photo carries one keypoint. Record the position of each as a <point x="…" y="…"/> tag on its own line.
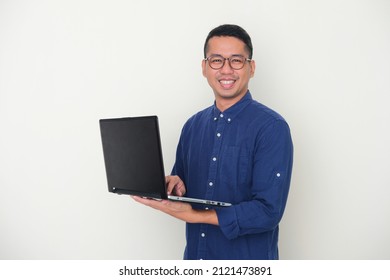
<point x="230" y="114"/>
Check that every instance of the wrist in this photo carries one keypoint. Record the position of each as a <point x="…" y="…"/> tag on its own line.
<point x="204" y="217"/>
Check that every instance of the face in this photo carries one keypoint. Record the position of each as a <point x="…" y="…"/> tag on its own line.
<point x="229" y="85"/>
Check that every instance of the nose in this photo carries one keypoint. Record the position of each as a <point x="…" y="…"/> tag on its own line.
<point x="226" y="68"/>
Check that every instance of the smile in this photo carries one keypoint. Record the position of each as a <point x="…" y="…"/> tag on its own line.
<point x="227" y="84"/>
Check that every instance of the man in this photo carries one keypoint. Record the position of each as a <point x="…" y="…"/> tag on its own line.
<point x="238" y="151"/>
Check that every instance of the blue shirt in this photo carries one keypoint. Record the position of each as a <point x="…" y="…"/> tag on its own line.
<point x="243" y="156"/>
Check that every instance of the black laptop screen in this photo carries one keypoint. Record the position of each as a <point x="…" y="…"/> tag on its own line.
<point x="133" y="156"/>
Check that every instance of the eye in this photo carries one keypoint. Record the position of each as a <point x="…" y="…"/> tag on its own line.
<point x="216" y="60"/>
<point x="236" y="60"/>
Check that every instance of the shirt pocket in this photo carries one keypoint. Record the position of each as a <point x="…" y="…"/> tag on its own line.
<point x="234" y="169"/>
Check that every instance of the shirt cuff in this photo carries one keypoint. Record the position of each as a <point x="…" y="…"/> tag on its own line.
<point x="227" y="220"/>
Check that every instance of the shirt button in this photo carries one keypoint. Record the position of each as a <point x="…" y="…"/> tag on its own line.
<point x="215" y="118"/>
<point x="218" y="134"/>
<point x="214" y="159"/>
<point x="229" y="119"/>
<point x="211" y="184"/>
<point x="277" y="174"/>
<point x="203" y="235"/>
<point x="221" y="115"/>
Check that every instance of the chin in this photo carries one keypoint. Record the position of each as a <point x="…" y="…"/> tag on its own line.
<point x="228" y="94"/>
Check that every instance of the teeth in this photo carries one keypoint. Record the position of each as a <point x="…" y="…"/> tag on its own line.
<point x="224" y="82"/>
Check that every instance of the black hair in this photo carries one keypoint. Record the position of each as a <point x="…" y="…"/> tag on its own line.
<point x="230" y="30"/>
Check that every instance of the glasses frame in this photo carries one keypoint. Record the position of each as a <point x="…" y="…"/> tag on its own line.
<point x="228" y="59"/>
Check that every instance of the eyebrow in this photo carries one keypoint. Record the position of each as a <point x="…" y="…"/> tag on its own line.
<point x="214" y="54"/>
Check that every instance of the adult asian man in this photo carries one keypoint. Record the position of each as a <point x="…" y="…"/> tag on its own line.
<point x="236" y="150"/>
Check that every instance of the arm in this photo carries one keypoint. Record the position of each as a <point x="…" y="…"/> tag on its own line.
<point x="268" y="186"/>
<point x="179" y="210"/>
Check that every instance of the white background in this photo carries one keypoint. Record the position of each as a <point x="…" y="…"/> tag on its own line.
<point x="323" y="65"/>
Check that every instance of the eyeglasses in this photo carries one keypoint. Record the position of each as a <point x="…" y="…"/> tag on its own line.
<point x="236" y="62"/>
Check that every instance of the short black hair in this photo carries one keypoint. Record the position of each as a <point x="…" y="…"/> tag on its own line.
<point x="230" y="30"/>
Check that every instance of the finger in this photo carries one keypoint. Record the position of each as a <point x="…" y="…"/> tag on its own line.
<point x="140" y="199"/>
<point x="171" y="182"/>
<point x="157" y="204"/>
<point x="180" y="188"/>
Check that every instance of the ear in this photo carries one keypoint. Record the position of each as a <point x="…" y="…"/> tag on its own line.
<point x="253" y="68"/>
<point x="204" y="67"/>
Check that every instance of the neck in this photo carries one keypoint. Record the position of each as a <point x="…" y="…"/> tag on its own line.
<point x="225" y="103"/>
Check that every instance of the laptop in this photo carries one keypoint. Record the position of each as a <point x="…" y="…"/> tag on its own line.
<point x="133" y="159"/>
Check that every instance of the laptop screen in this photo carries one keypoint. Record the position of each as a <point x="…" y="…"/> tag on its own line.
<point x="133" y="156"/>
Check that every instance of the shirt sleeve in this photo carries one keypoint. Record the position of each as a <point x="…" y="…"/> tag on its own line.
<point x="178" y="167"/>
<point x="271" y="176"/>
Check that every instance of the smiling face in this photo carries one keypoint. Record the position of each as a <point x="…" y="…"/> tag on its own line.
<point x="229" y="85"/>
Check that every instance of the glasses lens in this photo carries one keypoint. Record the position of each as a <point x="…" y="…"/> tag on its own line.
<point x="237" y="62"/>
<point x="216" y="61"/>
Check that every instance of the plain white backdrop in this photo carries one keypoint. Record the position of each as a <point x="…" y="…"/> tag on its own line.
<point x="323" y="65"/>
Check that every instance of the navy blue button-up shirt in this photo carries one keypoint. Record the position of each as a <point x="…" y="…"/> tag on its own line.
<point x="243" y="156"/>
